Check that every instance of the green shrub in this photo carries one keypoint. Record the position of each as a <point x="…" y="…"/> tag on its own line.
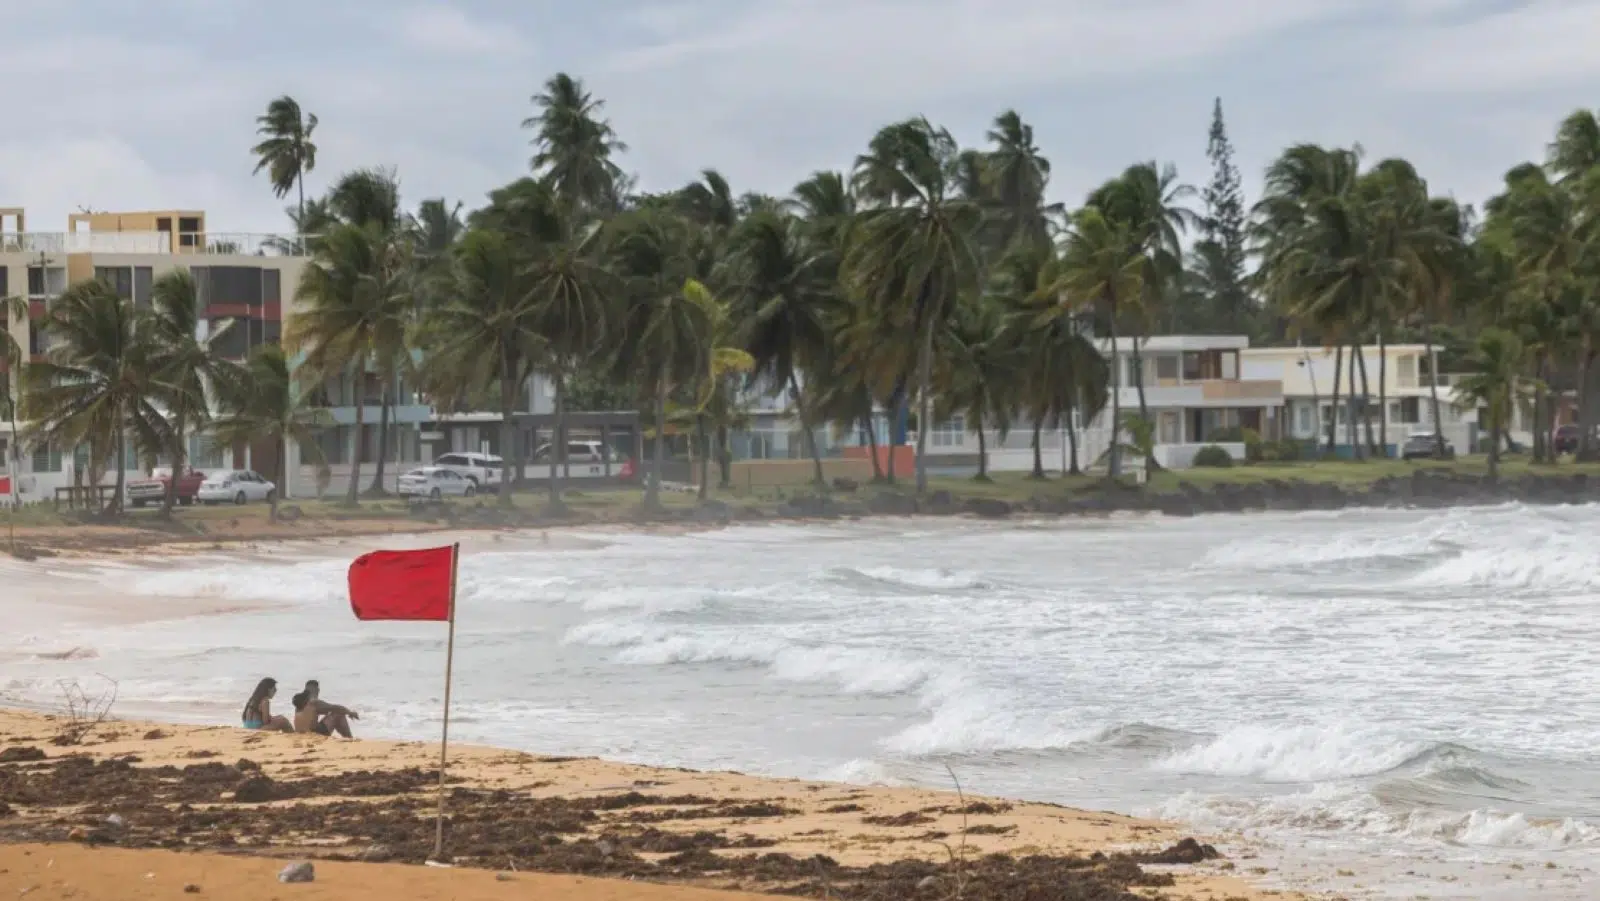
<point x="1213" y="457"/>
<point x="1289" y="450"/>
<point x="1254" y="450"/>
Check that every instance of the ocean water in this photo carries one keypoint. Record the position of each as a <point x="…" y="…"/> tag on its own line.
<point x="1386" y="703"/>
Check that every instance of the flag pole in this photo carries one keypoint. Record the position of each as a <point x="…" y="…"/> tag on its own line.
<point x="444" y="737"/>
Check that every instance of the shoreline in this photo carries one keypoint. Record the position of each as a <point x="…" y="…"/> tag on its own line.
<point x="223" y="789"/>
<point x="1222" y="491"/>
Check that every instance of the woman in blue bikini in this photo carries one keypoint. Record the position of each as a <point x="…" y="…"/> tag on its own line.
<point x="258" y="710"/>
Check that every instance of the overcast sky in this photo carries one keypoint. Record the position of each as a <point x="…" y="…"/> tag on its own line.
<point x="123" y="105"/>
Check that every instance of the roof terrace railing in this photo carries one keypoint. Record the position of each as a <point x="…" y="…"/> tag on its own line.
<point x="253" y="244"/>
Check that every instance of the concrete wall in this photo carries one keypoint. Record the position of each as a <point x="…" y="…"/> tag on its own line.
<point x="754" y="474"/>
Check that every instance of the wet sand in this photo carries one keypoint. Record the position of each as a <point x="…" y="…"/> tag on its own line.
<point x="146" y="789"/>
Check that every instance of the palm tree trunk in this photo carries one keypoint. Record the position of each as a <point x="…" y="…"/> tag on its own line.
<point x="1585" y="363"/>
<point x="1433" y="385"/>
<point x="703" y="442"/>
<point x="983" y="454"/>
<point x="1366" y="400"/>
<point x="353" y="493"/>
<point x="1352" y="431"/>
<point x="652" y="494"/>
<point x="122" y="476"/>
<point x="278" y="473"/>
<point x="1333" y="402"/>
<point x="897" y="400"/>
<point x="1114" y="464"/>
<point x="924" y="398"/>
<point x="558" y="441"/>
<point x="384" y="402"/>
<point x="1495" y="416"/>
<point x="1038" y="452"/>
<point x="508" y="433"/>
<point x="872" y="444"/>
<point x="178" y="457"/>
<point x="805" y="427"/>
<point x="1383" y="392"/>
<point x="724" y="458"/>
<point x="1544" y="414"/>
<point x="1072" y="446"/>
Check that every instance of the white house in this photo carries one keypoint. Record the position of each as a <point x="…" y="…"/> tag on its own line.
<point x="1408" y="383"/>
<point x="1195" y="394"/>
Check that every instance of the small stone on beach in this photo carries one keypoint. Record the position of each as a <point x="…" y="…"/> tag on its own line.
<point x="301" y="871"/>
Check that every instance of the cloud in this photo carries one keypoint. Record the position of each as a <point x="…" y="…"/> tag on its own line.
<point x="447" y="30"/>
<point x="139" y="110"/>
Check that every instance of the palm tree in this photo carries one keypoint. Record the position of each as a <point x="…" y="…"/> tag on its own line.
<point x="574" y="147"/>
<point x="188" y="367"/>
<point x="918" y="250"/>
<point x="1493" y="370"/>
<point x="982" y="372"/>
<point x="484" y="336"/>
<point x="1102" y="265"/>
<point x="1019" y="174"/>
<point x="668" y="324"/>
<point x="259" y="401"/>
<point x="1320" y="262"/>
<point x="723" y="361"/>
<point x="12" y="310"/>
<point x="1148" y="201"/>
<point x="570" y="310"/>
<point x="99" y="383"/>
<point x="781" y="295"/>
<point x="355" y="307"/>
<point x="285" y="149"/>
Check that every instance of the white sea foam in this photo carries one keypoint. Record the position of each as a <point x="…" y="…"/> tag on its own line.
<point x="1294" y="753"/>
<point x="1285" y="674"/>
<point x="1351" y="811"/>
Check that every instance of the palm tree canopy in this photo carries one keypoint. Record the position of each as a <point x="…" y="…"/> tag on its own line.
<point x="574" y="147"/>
<point x="285" y="150"/>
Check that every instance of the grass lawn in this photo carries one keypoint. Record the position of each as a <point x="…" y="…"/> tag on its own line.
<point x="618" y="504"/>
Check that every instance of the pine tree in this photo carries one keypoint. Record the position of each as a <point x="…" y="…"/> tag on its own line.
<point x="1220" y="252"/>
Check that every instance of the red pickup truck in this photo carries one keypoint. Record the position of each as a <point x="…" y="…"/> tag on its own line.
<point x="154" y="489"/>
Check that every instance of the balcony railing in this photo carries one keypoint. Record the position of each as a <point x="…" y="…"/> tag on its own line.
<point x="253" y="244"/>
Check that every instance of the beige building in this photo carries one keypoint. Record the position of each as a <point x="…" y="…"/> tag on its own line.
<point x="247" y="278"/>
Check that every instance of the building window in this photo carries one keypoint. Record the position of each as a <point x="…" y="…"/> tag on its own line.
<point x="47" y="458"/>
<point x="46" y="281"/>
<point x="1191" y="366"/>
<point x="950" y="433"/>
<point x="143" y="286"/>
<point x="1303" y="419"/>
<point x="1230" y="364"/>
<point x="1167" y="368"/>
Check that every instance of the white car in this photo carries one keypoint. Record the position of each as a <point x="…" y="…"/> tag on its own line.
<point x="435" y="482"/>
<point x="482" y="470"/>
<point x="240" y="486"/>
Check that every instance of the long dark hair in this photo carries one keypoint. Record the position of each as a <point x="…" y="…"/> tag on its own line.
<point x="263" y="688"/>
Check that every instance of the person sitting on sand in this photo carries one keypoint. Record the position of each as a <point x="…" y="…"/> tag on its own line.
<point x="258" y="710"/>
<point x="312" y="714"/>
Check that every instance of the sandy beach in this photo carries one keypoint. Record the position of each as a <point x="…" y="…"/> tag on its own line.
<point x="358" y="808"/>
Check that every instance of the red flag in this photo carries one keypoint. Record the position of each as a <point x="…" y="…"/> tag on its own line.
<point x="405" y="585"/>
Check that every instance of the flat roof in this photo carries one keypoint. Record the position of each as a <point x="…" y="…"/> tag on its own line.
<point x="1159" y="343"/>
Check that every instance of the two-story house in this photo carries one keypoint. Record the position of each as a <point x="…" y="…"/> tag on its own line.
<point x="1406" y="376"/>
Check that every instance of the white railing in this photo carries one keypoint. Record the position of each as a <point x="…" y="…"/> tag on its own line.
<point x="253" y="244"/>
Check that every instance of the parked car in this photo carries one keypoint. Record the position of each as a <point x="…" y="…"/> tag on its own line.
<point x="435" y="482"/>
<point x="577" y="452"/>
<point x="482" y="470"/>
<point x="1424" y="445"/>
<point x="239" y="486"/>
<point x="154" y="489"/>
